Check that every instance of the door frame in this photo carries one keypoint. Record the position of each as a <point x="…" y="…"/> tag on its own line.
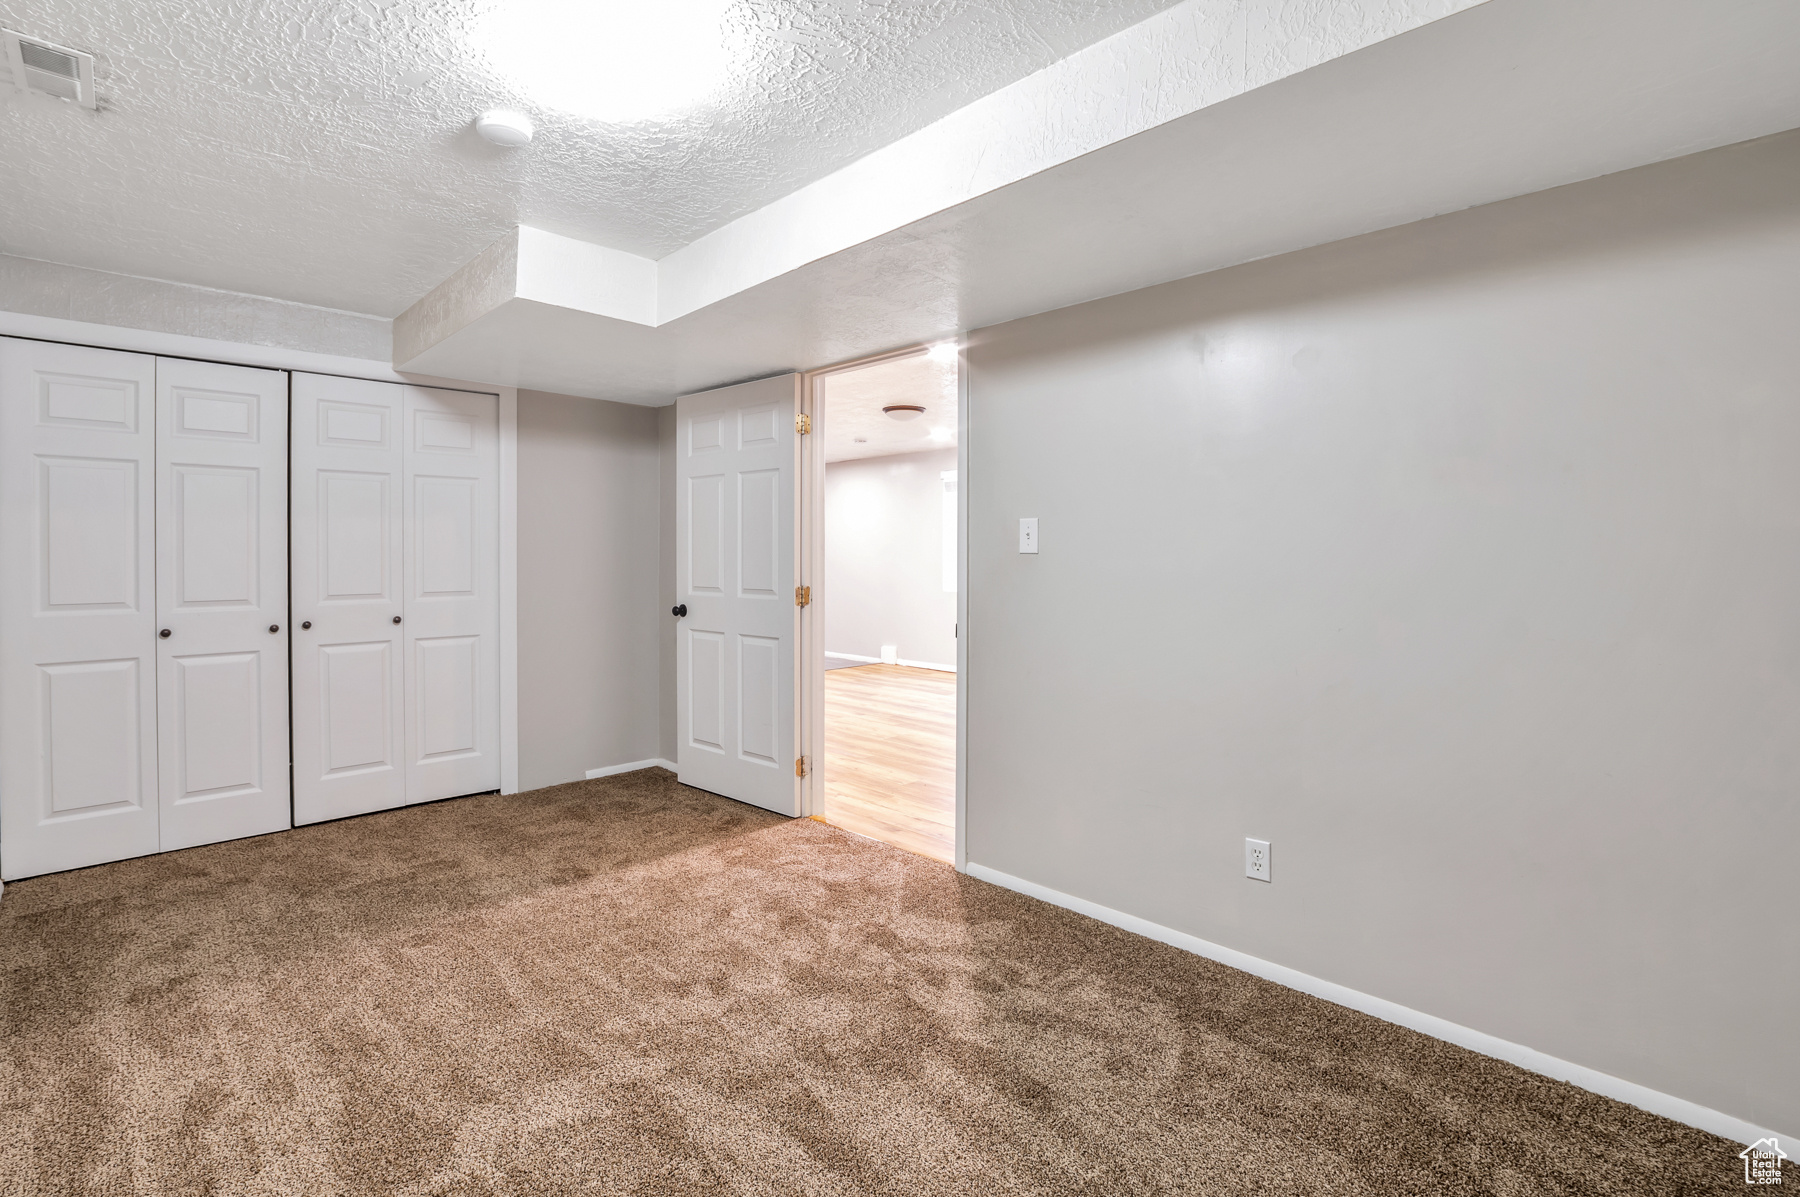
<point x="809" y="559"/>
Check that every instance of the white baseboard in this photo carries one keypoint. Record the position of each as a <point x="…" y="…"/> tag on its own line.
<point x="901" y="661"/>
<point x="1644" y="1098"/>
<point x="630" y="767"/>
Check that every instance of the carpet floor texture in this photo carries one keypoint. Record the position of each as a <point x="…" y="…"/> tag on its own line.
<point x="628" y="986"/>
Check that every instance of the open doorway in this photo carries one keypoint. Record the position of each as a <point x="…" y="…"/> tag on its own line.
<point x="887" y="494"/>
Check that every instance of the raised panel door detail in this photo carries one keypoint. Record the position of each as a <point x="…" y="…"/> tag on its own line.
<point x="353" y="536"/>
<point x="756" y="427"/>
<point x="216" y="415"/>
<point x="445" y="523"/>
<point x="447" y="695"/>
<point x="706" y="690"/>
<point x="706" y="544"/>
<point x="353" y="425"/>
<point x="88" y="717"/>
<point x="358" y="702"/>
<point x="216" y="516"/>
<point x="78" y="601"/>
<point x="759" y="514"/>
<point x="441" y="432"/>
<point x="88" y="521"/>
<point x="219" y="712"/>
<point x="705" y="435"/>
<point x="108" y="404"/>
<point x="758" y="694"/>
<point x="737" y="537"/>
<point x="403" y="705"/>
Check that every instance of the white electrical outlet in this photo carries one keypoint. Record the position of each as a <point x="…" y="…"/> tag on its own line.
<point x="1028" y="535"/>
<point x="1256" y="859"/>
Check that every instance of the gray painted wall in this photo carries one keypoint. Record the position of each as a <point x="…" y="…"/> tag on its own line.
<point x="590" y="550"/>
<point x="884" y="576"/>
<point x="665" y="431"/>
<point x="1461" y="561"/>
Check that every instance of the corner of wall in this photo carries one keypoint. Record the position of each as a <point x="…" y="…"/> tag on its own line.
<point x="665" y="430"/>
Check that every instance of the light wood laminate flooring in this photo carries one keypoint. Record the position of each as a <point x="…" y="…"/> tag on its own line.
<point x="890" y="756"/>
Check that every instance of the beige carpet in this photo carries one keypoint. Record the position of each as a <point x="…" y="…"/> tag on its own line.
<point x="627" y="986"/>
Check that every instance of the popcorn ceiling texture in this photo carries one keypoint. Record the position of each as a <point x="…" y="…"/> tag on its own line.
<point x="324" y="153"/>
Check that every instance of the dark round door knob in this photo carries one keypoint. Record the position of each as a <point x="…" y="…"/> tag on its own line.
<point x="678" y="612"/>
<point x="306" y="625"/>
<point x="273" y="628"/>
<point x="165" y="633"/>
<point x="396" y="619"/>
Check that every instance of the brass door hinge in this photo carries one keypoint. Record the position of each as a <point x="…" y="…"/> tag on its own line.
<point x="799" y="766"/>
<point x="803" y="423"/>
<point x="803" y="596"/>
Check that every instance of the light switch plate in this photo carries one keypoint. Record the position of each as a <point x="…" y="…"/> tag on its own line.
<point x="1256" y="859"/>
<point x="1028" y="535"/>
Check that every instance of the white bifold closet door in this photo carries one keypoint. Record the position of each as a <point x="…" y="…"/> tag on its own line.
<point x="138" y="495"/>
<point x="396" y="570"/>
<point x="222" y="601"/>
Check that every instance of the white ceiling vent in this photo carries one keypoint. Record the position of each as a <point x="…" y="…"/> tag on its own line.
<point x="49" y="69"/>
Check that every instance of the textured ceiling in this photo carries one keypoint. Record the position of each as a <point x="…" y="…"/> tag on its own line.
<point x="324" y="152"/>
<point x="855" y="425"/>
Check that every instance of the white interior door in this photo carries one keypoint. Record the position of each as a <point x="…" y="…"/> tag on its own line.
<point x="349" y="692"/>
<point x="77" y="607"/>
<point x="452" y="589"/>
<point x="222" y="601"/>
<point x="735" y="536"/>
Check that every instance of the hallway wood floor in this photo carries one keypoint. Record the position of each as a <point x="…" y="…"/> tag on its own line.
<point x="890" y="756"/>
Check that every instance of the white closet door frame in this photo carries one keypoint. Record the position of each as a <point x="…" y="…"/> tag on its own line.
<point x="222" y="601"/>
<point x="77" y="607"/>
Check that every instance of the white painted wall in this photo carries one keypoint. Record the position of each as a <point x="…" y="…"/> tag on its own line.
<point x="59" y="292"/>
<point x="1462" y="562"/>
<point x="884" y="538"/>
<point x="590" y="549"/>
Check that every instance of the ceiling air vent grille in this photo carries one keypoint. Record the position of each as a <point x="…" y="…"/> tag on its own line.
<point x="49" y="69"/>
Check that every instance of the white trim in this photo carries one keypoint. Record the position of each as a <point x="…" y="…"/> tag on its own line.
<point x="630" y="767"/>
<point x="509" y="590"/>
<point x="1644" y="1098"/>
<point x="901" y="661"/>
<point x="809" y="562"/>
<point x="963" y="423"/>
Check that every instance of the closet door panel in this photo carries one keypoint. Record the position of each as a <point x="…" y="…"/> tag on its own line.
<point x="222" y="582"/>
<point x="452" y="593"/>
<point x="360" y="709"/>
<point x="78" y="782"/>
<point x="349" y="690"/>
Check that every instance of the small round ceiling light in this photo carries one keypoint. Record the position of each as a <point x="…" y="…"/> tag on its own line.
<point x="504" y="127"/>
<point x="903" y="411"/>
